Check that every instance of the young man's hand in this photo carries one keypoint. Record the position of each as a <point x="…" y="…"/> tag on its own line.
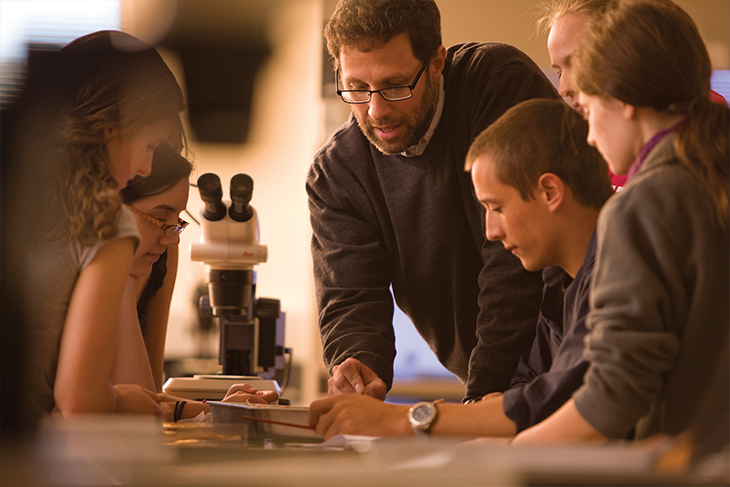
<point x="350" y="414"/>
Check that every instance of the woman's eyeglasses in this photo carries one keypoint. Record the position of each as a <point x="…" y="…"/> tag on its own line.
<point x="167" y="230"/>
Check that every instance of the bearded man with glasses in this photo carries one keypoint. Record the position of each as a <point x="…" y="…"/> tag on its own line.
<point x="391" y="206"/>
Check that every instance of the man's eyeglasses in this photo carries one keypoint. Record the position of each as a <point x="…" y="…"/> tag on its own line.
<point x="396" y="93"/>
<point x="167" y="230"/>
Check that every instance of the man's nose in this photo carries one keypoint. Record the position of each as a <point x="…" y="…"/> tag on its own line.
<point x="494" y="231"/>
<point x="378" y="107"/>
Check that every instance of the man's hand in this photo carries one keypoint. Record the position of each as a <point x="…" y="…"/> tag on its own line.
<point x="245" y="393"/>
<point x="135" y="399"/>
<point x="350" y="414"/>
<point x="352" y="376"/>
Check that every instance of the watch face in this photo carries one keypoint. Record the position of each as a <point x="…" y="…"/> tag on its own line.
<point x="423" y="413"/>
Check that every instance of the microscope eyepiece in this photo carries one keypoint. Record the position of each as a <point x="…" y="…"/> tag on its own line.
<point x="211" y="193"/>
<point x="241" y="193"/>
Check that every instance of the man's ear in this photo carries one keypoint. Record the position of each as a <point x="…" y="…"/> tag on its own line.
<point x="438" y="62"/>
<point x="551" y="190"/>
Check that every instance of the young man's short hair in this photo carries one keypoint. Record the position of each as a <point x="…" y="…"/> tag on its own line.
<point x="370" y="23"/>
<point x="544" y="136"/>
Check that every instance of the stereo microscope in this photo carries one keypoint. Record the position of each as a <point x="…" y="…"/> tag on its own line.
<point x="251" y="329"/>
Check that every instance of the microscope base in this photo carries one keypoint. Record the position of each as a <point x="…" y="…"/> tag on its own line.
<point x="213" y="387"/>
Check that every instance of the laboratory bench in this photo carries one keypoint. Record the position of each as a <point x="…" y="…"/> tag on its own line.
<point x="142" y="451"/>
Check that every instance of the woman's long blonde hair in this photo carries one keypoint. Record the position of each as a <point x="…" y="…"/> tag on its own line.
<point x="117" y="82"/>
<point x="649" y="53"/>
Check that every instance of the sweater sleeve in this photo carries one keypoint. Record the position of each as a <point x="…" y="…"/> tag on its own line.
<point x="636" y="297"/>
<point x="352" y="281"/>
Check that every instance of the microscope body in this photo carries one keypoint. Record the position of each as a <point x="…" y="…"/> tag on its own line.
<point x="251" y="329"/>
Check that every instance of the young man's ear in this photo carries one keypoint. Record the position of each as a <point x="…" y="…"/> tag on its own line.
<point x="551" y="190"/>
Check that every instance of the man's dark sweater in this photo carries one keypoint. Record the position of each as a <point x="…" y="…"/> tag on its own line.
<point x="414" y="223"/>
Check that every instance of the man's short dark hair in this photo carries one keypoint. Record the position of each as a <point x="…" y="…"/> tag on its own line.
<point x="367" y="24"/>
<point x="544" y="136"/>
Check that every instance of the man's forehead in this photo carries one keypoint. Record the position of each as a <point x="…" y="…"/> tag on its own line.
<point x="484" y="177"/>
<point x="566" y="32"/>
<point x="365" y="45"/>
<point x="483" y="165"/>
<point x="397" y="46"/>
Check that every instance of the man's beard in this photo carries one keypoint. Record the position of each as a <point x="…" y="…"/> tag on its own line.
<point x="416" y="126"/>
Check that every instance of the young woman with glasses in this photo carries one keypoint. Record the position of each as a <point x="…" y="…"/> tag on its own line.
<point x="156" y="202"/>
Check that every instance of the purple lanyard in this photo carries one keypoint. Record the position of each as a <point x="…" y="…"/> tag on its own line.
<point x="638" y="162"/>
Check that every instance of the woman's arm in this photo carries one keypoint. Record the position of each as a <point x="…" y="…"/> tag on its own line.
<point x="131" y="363"/>
<point x="158" y="312"/>
<point x="566" y="425"/>
<point x="88" y="342"/>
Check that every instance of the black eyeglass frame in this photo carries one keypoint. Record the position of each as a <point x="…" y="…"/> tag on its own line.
<point x="161" y="225"/>
<point x="370" y="92"/>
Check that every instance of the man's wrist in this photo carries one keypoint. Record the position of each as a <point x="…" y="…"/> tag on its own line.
<point x="471" y="399"/>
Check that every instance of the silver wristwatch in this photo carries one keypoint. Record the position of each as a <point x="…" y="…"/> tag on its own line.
<point x="421" y="416"/>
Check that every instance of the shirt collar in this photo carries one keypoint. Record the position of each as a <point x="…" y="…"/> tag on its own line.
<point x="419" y="148"/>
<point x="638" y="162"/>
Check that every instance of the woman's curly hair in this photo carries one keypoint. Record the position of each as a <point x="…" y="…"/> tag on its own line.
<point x="114" y="82"/>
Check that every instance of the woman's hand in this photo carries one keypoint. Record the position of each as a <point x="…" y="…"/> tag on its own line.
<point x="135" y="399"/>
<point x="245" y="393"/>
